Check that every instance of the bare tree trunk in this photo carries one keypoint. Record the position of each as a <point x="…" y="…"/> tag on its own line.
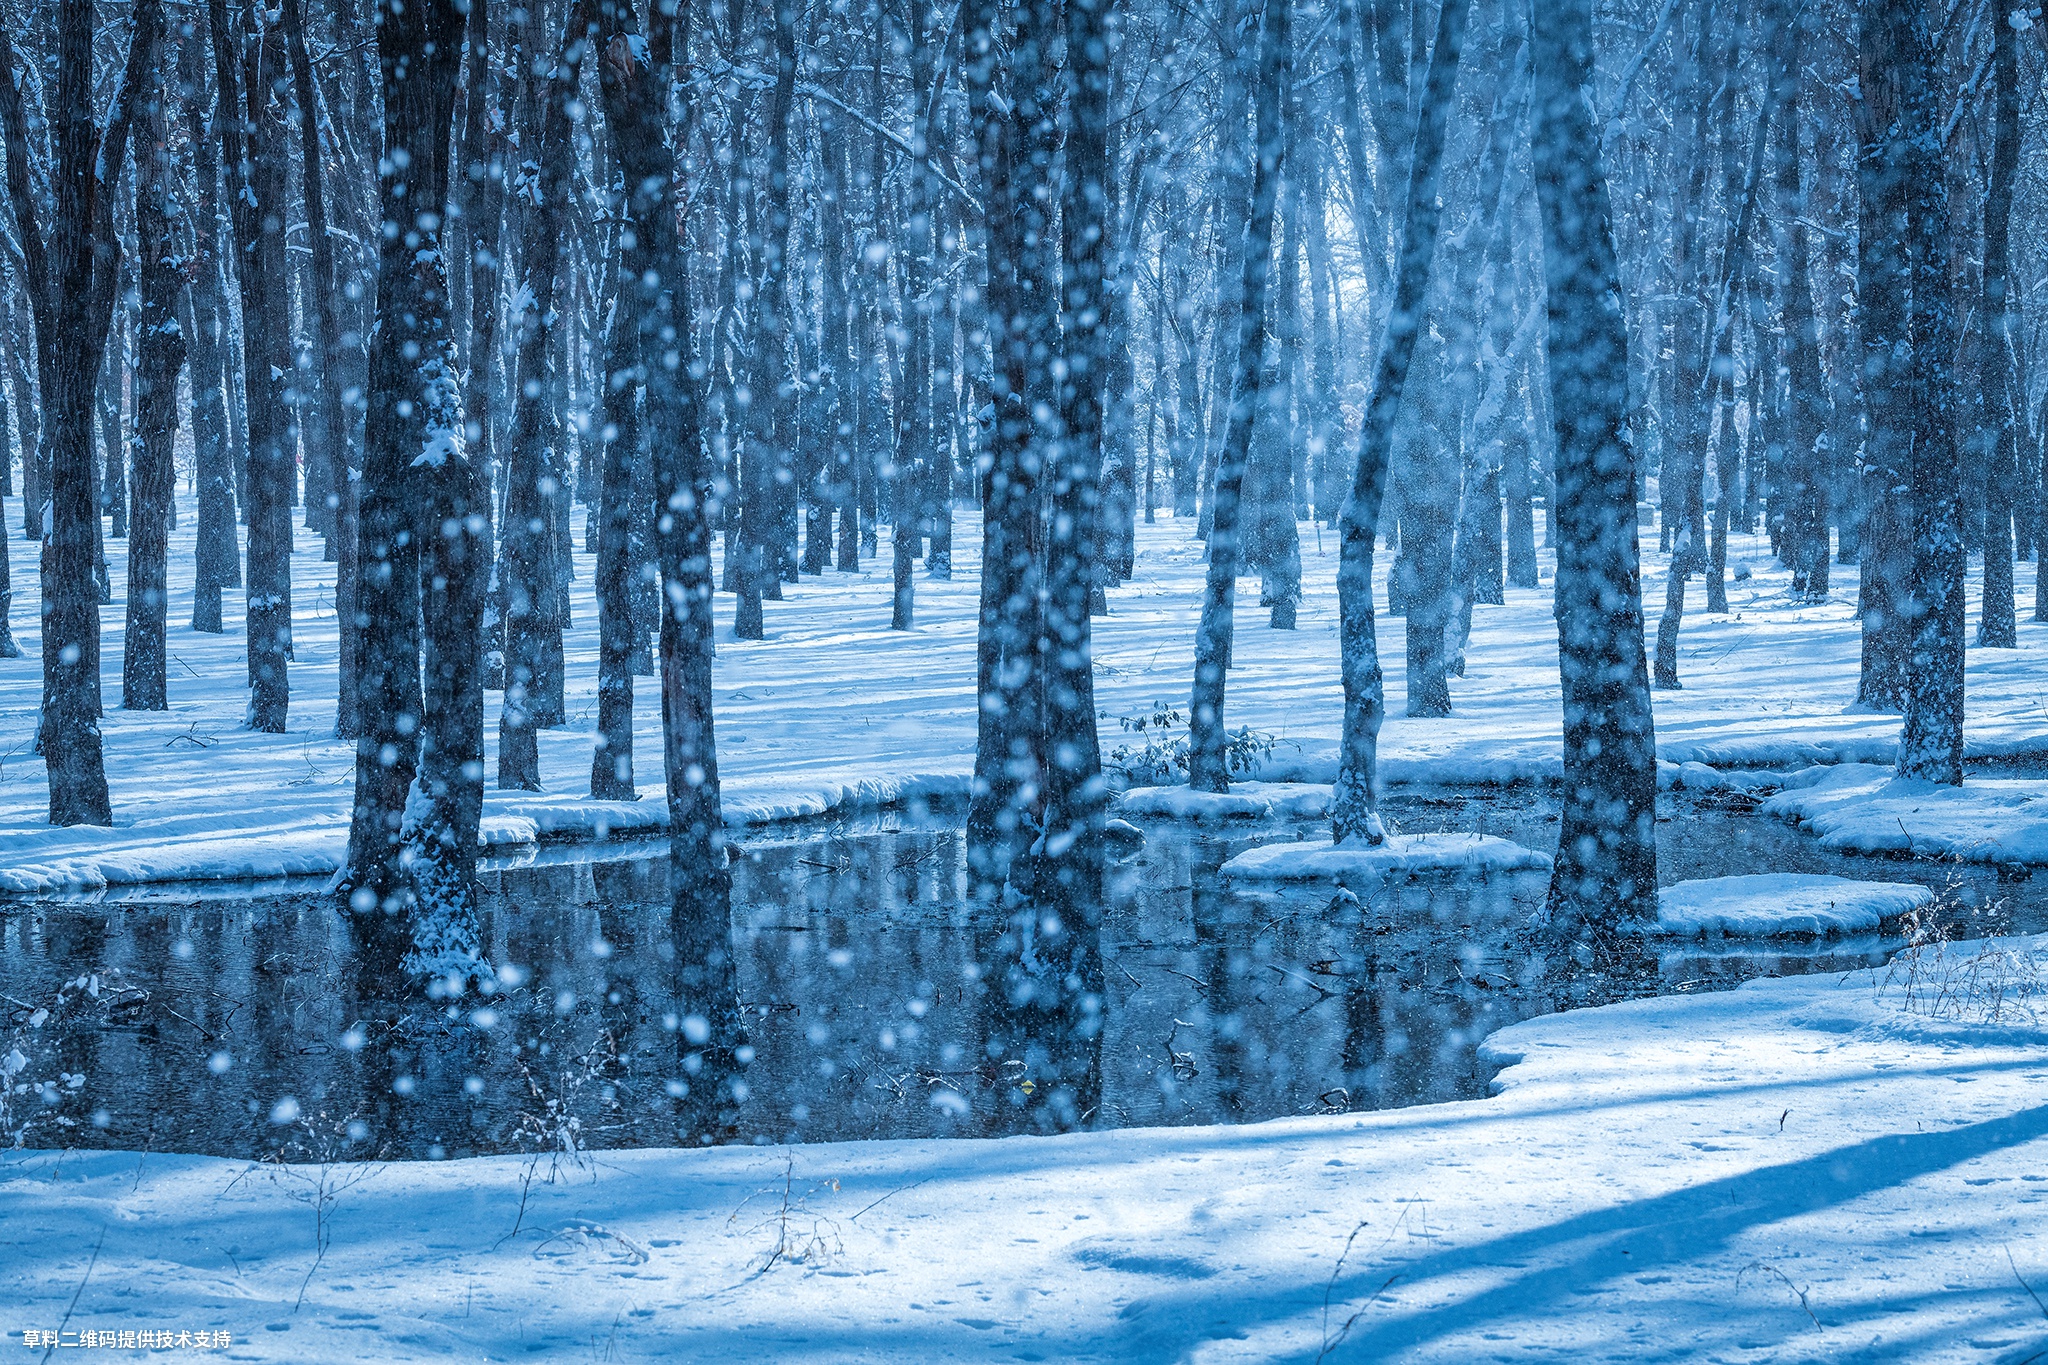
<point x="685" y="483"/>
<point x="327" y="446"/>
<point x="28" y="413"/>
<point x="216" y="558"/>
<point x="1709" y="87"/>
<point x="1354" y="807"/>
<point x="1208" y="755"/>
<point x="1997" y="432"/>
<point x="421" y="441"/>
<point x="841" y="367"/>
<point x="532" y="629"/>
<point x="1606" y="870"/>
<point x="72" y="292"/>
<point x="1931" y="747"/>
<point x="482" y="195"/>
<point x="255" y="160"/>
<point x="1884" y="284"/>
<point x="1808" y="515"/>
<point x="1022" y="307"/>
<point x="160" y="347"/>
<point x="1069" y="868"/>
<point x="635" y="108"/>
<point x="406" y="400"/>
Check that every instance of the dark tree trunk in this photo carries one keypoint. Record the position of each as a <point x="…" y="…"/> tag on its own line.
<point x="635" y="108"/>
<point x="1516" y="482"/>
<point x="913" y="386"/>
<point x="935" y="322"/>
<point x="1709" y="87"/>
<point x="1208" y="756"/>
<point x="114" y="484"/>
<point x="685" y="484"/>
<point x="1807" y="513"/>
<point x="1884" y="285"/>
<point x="533" y="629"/>
<point x="1727" y="460"/>
<point x="840" y="366"/>
<point x="771" y="428"/>
<point x="327" y="434"/>
<point x="1325" y="421"/>
<point x="1013" y="147"/>
<point x="1997" y="432"/>
<point x="420" y="57"/>
<point x="1606" y="871"/>
<point x="419" y="579"/>
<point x="28" y="413"/>
<point x="253" y="143"/>
<point x="1068" y="869"/>
<point x="1429" y="513"/>
<point x="71" y="291"/>
<point x="1354" y="806"/>
<point x="1931" y="747"/>
<point x="216" y="558"/>
<point x="9" y="649"/>
<point x="482" y="191"/>
<point x="160" y="353"/>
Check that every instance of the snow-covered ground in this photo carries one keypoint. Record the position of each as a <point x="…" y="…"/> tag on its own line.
<point x="1768" y="903"/>
<point x="1365" y="865"/>
<point x="834" y="708"/>
<point x="1809" y="1169"/>
<point x="1864" y="808"/>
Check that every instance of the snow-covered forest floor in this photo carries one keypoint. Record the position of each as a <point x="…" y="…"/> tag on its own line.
<point x="833" y="708"/>
<point x="1814" y="1168"/>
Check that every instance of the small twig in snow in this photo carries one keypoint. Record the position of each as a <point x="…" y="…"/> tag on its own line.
<point x="892" y="1194"/>
<point x="2024" y="1285"/>
<point x="1804" y="1306"/>
<point x="73" y="1305"/>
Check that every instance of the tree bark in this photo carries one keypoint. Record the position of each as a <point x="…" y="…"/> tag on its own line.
<point x="482" y="195"/>
<point x="20" y="361"/>
<point x="1806" y="454"/>
<point x="71" y="290"/>
<point x="408" y="440"/>
<point x="1069" y="869"/>
<point x="1014" y="146"/>
<point x="1997" y="432"/>
<point x="327" y="434"/>
<point x="636" y="109"/>
<point x="1931" y="747"/>
<point x="252" y="141"/>
<point x="1606" y="870"/>
<point x="216" y="558"/>
<point x="1208" y="742"/>
<point x="1884" y="285"/>
<point x="160" y="353"/>
<point x="1354" y="806"/>
<point x="421" y="457"/>
<point x="533" y="629"/>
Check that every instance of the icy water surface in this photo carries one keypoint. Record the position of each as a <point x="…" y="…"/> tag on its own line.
<point x="243" y="1024"/>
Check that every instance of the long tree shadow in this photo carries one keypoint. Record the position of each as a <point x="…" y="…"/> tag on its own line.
<point x="1595" y="1247"/>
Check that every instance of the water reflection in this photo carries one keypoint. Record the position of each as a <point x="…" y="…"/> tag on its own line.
<point x="856" y="990"/>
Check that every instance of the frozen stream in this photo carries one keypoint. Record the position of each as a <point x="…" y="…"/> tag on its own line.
<point x="239" y="1022"/>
